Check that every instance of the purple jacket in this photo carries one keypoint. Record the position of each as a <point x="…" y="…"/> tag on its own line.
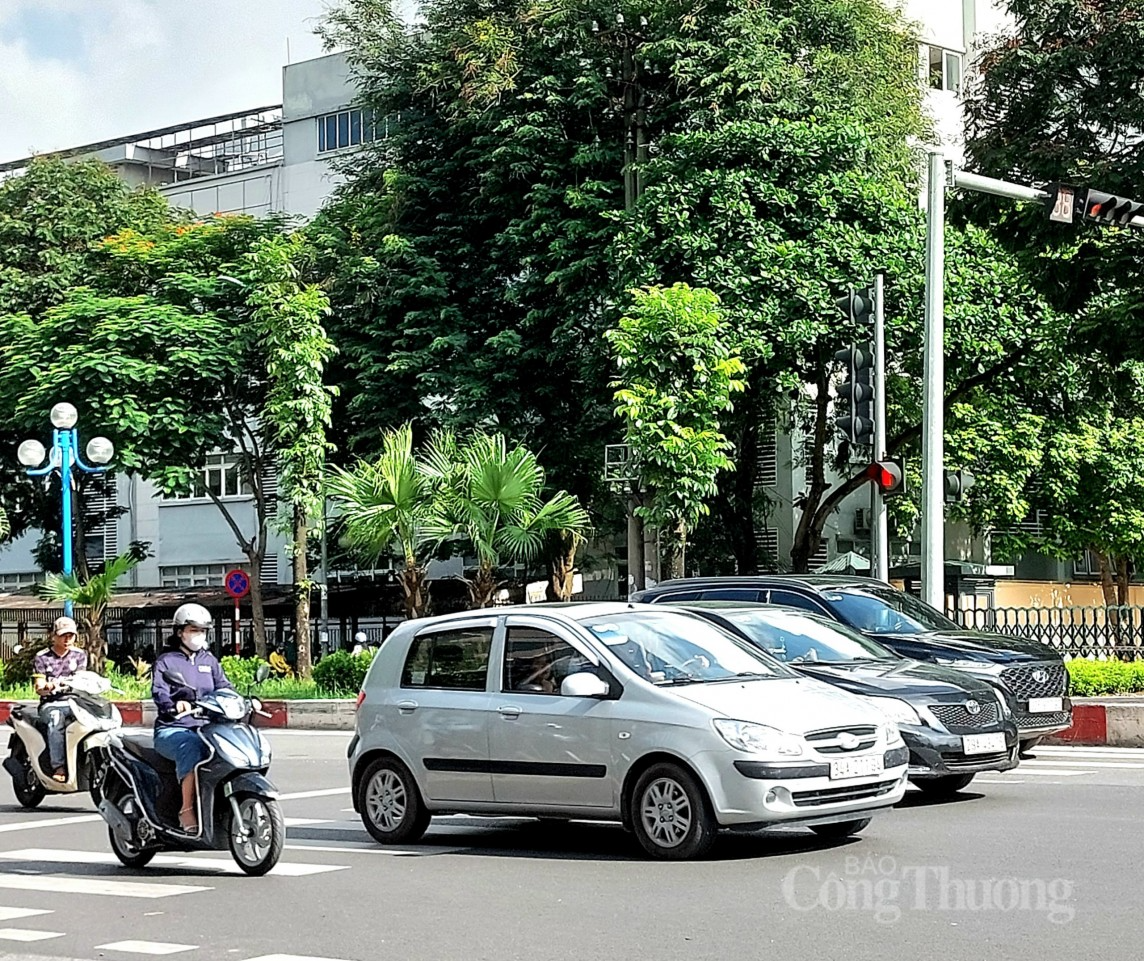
<point x="201" y="671"/>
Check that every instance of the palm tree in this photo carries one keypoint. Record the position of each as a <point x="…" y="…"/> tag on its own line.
<point x="490" y="496"/>
<point x="91" y="599"/>
<point x="386" y="505"/>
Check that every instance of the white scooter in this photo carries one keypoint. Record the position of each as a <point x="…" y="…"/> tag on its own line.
<point x="88" y="736"/>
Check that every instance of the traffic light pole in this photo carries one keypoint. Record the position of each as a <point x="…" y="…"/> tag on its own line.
<point x="942" y="174"/>
<point x="933" y="391"/>
<point x="880" y="526"/>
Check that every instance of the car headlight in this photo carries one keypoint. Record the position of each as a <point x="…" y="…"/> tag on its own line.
<point x="896" y="710"/>
<point x="758" y="738"/>
<point x="1006" y="710"/>
<point x="960" y="663"/>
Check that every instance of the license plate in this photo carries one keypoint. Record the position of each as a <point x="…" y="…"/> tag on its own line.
<point x="856" y="766"/>
<point x="1046" y="705"/>
<point x="983" y="743"/>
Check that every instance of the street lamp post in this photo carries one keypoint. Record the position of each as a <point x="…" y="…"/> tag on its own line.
<point x="63" y="456"/>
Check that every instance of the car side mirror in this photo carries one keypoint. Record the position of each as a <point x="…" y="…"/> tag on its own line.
<point x="584" y="684"/>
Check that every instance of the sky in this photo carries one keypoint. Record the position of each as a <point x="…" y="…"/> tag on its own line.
<point x="78" y="71"/>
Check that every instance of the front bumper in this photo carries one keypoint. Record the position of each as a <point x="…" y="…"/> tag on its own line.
<point x="936" y="753"/>
<point x="756" y="793"/>
<point x="1039" y="725"/>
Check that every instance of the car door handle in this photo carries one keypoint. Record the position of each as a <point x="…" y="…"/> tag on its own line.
<point x="406" y="707"/>
<point x="509" y="711"/>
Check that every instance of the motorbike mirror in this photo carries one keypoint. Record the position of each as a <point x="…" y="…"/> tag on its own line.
<point x="175" y="678"/>
<point x="262" y="673"/>
<point x="17" y="649"/>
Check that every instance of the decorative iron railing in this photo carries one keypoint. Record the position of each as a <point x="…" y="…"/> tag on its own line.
<point x="1090" y="632"/>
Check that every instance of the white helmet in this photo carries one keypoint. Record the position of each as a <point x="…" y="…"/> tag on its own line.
<point x="194" y="614"/>
<point x="361" y="637"/>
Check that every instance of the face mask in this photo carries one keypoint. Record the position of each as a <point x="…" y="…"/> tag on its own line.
<point x="196" y="641"/>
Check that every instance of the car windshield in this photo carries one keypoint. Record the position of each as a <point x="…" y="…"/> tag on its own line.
<point x="670" y="647"/>
<point x="802" y="638"/>
<point x="883" y="610"/>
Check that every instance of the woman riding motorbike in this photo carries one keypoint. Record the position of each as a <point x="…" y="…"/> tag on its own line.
<point x="175" y="736"/>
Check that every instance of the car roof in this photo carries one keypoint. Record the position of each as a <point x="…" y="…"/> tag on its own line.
<point x="572" y="610"/>
<point x="813" y="581"/>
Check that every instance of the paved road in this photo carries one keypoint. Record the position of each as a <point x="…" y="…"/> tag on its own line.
<point x="1044" y="863"/>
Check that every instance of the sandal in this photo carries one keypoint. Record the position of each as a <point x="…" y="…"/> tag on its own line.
<point x="188" y="821"/>
<point x="60" y="776"/>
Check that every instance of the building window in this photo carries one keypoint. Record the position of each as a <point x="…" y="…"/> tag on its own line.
<point x="14" y="582"/>
<point x="1088" y="565"/>
<point x="347" y="128"/>
<point x="222" y="476"/>
<point x="943" y="68"/>
<point x="194" y="575"/>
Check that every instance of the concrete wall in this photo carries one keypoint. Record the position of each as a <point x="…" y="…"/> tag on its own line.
<point x="256" y="191"/>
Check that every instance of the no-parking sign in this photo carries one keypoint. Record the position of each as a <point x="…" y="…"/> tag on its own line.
<point x="237" y="584"/>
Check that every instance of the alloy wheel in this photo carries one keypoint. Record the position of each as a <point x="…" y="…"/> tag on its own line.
<point x="386" y="800"/>
<point x="666" y="812"/>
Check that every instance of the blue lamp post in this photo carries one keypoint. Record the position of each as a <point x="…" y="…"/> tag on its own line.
<point x="63" y="456"/>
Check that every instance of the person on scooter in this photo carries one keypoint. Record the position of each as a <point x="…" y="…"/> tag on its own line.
<point x="175" y="727"/>
<point x="57" y="662"/>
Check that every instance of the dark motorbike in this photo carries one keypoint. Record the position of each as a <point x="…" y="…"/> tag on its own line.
<point x="237" y="805"/>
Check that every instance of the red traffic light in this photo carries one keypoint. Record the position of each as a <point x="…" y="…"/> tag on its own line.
<point x="1110" y="208"/>
<point x="889" y="475"/>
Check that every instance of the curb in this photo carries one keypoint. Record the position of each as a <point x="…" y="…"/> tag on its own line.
<point x="1105" y="722"/>
<point x="336" y="714"/>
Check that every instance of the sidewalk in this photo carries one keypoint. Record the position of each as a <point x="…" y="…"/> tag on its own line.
<point x="1105" y="721"/>
<point x="300" y="715"/>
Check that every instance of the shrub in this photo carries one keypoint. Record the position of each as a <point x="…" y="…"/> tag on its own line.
<point x="342" y="672"/>
<point x="1093" y="678"/>
<point x="241" y="670"/>
<point x="18" y="669"/>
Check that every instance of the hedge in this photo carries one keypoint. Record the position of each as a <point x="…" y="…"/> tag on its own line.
<point x="1092" y="678"/>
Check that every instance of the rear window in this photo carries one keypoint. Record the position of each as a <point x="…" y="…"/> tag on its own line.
<point x="457" y="660"/>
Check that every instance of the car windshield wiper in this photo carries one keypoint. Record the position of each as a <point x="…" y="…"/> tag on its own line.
<point x="739" y="676"/>
<point x="681" y="679"/>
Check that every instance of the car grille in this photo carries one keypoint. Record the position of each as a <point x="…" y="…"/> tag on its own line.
<point x="833" y="795"/>
<point x="958" y="716"/>
<point x="826" y="742"/>
<point x="1024" y="685"/>
<point x="959" y="762"/>
<point x="1053" y="719"/>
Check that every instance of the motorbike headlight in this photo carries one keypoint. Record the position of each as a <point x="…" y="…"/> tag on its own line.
<point x="758" y="738"/>
<point x="896" y="710"/>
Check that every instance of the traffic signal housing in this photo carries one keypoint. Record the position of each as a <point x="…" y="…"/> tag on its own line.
<point x="889" y="476"/>
<point x="957" y="483"/>
<point x="857" y="392"/>
<point x="1110" y="209"/>
<point x="857" y="305"/>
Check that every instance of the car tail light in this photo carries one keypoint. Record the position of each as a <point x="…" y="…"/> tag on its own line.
<point x="360" y="698"/>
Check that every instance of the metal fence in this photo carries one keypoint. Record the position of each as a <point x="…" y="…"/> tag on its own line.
<point x="1090" y="632"/>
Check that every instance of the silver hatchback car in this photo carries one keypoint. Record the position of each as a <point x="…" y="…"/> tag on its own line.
<point x="637" y="713"/>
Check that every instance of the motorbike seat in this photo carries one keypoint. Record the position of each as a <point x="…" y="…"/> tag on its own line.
<point x="142" y="746"/>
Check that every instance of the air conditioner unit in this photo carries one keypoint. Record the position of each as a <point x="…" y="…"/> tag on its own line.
<point x="862" y="521"/>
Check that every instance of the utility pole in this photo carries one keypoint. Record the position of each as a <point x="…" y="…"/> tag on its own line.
<point x="880" y="526"/>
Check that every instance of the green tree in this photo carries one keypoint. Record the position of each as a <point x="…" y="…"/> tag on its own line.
<point x="385" y="506"/>
<point x="91" y="597"/>
<point x="490" y="500"/>
<point x="676" y="378"/>
<point x="295" y="415"/>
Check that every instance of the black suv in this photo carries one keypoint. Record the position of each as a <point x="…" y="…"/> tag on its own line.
<point x="1032" y="675"/>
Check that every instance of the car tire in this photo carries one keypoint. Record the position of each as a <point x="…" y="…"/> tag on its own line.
<point x="1027" y="745"/>
<point x="840" y="829"/>
<point x="670" y="814"/>
<point x="390" y="803"/>
<point x="945" y="786"/>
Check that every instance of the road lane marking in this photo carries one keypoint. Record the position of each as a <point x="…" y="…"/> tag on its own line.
<point x="49" y="822"/>
<point x="11" y="914"/>
<point x="327" y="792"/>
<point x="23" y="934"/>
<point x="225" y="865"/>
<point x="292" y="957"/>
<point x="304" y="822"/>
<point x="1094" y="765"/>
<point x="373" y="849"/>
<point x="1054" y="772"/>
<point x="146" y="947"/>
<point x="122" y="889"/>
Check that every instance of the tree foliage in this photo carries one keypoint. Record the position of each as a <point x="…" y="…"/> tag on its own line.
<point x="676" y="377"/>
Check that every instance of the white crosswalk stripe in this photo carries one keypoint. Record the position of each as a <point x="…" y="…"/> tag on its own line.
<point x="221" y="865"/>
<point x="60" y="884"/>
<point x="146" y="947"/>
<point x="23" y="934"/>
